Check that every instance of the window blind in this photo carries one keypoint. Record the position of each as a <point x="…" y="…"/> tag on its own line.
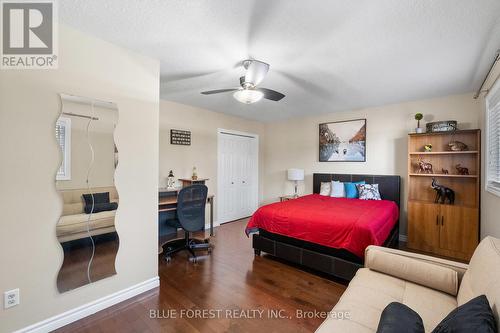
<point x="63" y="138"/>
<point x="493" y="139"/>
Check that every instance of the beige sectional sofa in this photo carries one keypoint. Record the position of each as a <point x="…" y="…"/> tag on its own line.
<point x="432" y="287"/>
<point x="73" y="222"/>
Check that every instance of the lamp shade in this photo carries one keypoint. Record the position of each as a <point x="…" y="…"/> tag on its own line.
<point x="295" y="174"/>
<point x="248" y="96"/>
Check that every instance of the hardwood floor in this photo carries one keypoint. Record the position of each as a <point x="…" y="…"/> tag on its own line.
<point x="73" y="272"/>
<point x="231" y="279"/>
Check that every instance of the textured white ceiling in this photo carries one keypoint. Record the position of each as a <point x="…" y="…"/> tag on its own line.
<point x="325" y="56"/>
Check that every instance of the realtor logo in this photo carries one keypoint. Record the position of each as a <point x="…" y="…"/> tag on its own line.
<point x="29" y="34"/>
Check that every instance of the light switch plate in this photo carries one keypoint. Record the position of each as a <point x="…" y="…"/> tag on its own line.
<point x="10" y="298"/>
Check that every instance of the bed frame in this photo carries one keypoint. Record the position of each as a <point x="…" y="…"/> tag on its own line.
<point x="339" y="263"/>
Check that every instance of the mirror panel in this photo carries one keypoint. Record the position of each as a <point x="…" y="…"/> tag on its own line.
<point x="85" y="182"/>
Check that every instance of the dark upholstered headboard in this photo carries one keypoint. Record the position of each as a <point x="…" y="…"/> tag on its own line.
<point x="388" y="186"/>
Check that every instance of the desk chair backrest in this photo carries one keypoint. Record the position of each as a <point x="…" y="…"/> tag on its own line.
<point x="191" y="204"/>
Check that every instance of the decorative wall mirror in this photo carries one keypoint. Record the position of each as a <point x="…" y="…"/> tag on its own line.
<point x="85" y="182"/>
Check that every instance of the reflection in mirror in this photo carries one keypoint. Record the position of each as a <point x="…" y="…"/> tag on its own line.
<point x="85" y="181"/>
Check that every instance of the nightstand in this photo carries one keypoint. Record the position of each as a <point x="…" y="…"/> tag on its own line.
<point x="288" y="197"/>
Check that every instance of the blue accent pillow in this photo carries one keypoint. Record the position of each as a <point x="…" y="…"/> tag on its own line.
<point x="351" y="190"/>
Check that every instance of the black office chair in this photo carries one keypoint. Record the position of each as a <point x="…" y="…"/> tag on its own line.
<point x="191" y="202"/>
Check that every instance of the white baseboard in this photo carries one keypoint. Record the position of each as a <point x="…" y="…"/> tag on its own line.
<point x="207" y="225"/>
<point x="88" y="309"/>
<point x="403" y="238"/>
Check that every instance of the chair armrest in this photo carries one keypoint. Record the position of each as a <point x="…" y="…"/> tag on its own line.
<point x="435" y="273"/>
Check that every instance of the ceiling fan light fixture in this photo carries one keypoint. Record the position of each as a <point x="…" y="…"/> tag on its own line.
<point x="248" y="96"/>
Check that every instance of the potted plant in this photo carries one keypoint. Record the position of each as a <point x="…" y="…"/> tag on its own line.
<point x="419" y="117"/>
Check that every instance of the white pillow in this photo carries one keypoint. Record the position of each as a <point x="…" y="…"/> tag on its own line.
<point x="338" y="190"/>
<point x="368" y="192"/>
<point x="326" y="188"/>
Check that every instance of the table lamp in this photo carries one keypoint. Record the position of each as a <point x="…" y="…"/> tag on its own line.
<point x="296" y="175"/>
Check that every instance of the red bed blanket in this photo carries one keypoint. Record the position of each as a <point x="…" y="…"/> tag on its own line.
<point x="350" y="224"/>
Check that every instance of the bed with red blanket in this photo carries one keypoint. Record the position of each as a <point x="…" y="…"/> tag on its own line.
<point x="325" y="233"/>
<point x="340" y="223"/>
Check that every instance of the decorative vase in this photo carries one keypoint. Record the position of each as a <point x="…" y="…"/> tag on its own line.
<point x="170" y="180"/>
<point x="419" y="130"/>
<point x="195" y="174"/>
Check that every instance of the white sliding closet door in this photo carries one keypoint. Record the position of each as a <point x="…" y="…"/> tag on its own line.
<point x="237" y="175"/>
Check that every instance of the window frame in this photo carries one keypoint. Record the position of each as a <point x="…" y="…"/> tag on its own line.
<point x="66" y="154"/>
<point x="491" y="186"/>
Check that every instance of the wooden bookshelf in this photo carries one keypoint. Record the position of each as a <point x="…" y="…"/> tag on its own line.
<point x="443" y="152"/>
<point x="442" y="175"/>
<point x="444" y="229"/>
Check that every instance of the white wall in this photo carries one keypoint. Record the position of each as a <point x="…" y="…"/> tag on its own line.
<point x="294" y="143"/>
<point x="202" y="152"/>
<point x="30" y="254"/>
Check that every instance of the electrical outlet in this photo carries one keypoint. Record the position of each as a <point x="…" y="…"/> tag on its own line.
<point x="10" y="298"/>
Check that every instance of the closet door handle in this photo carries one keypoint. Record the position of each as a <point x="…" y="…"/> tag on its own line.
<point x="442" y="220"/>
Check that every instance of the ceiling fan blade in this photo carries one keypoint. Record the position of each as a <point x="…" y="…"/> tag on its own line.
<point x="256" y="72"/>
<point x="273" y="95"/>
<point x="211" y="92"/>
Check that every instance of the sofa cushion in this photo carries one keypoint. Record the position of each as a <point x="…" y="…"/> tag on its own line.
<point x="482" y="277"/>
<point x="73" y="208"/>
<point x="73" y="201"/>
<point x="95" y="198"/>
<point x="101" y="207"/>
<point x="473" y="316"/>
<point x="423" y="273"/>
<point x="77" y="223"/>
<point x="397" y="318"/>
<point x="370" y="292"/>
<point x="430" y="304"/>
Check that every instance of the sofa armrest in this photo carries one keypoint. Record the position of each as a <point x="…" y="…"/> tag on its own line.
<point x="435" y="273"/>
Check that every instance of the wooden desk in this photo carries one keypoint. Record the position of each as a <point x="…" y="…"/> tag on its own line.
<point x="169" y="203"/>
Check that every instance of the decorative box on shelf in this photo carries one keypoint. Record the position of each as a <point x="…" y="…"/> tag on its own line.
<point x="442" y="126"/>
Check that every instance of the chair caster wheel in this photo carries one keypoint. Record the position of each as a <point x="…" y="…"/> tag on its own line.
<point x="168" y="259"/>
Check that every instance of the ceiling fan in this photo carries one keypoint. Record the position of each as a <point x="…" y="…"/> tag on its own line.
<point x="249" y="93"/>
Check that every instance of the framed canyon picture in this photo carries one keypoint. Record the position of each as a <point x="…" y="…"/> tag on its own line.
<point x="343" y="141"/>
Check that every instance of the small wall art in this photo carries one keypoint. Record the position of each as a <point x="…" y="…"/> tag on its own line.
<point x="180" y="137"/>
